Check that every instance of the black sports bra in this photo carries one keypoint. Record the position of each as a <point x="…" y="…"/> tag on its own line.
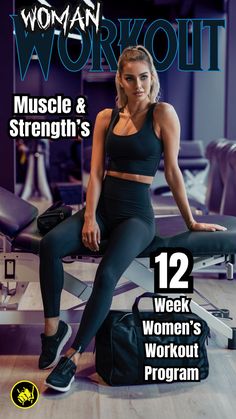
<point x="137" y="153"/>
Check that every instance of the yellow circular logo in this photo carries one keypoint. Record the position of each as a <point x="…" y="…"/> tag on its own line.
<point x="24" y="394"/>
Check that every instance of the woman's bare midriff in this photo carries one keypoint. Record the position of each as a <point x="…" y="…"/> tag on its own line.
<point x="131" y="176"/>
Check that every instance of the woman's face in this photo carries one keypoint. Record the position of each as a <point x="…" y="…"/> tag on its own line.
<point x="136" y="80"/>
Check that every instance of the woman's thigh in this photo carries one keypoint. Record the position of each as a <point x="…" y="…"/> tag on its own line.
<point x="125" y="243"/>
<point x="66" y="238"/>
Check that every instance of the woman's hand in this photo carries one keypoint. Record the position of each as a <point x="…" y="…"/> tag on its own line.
<point x="195" y="226"/>
<point x="91" y="235"/>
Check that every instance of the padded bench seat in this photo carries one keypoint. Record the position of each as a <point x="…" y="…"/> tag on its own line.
<point x="171" y="232"/>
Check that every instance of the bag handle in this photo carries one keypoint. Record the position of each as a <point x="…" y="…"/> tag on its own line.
<point x="135" y="309"/>
<point x="56" y="205"/>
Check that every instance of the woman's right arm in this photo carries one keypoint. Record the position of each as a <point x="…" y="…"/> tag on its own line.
<point x="91" y="231"/>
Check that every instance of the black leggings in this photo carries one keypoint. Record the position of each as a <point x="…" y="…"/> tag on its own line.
<point x="125" y="218"/>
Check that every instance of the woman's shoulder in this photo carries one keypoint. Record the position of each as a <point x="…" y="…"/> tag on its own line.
<point x="163" y="112"/>
<point x="163" y="108"/>
<point x="104" y="117"/>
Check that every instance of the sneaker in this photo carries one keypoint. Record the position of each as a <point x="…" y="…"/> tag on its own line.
<point x="53" y="345"/>
<point x="62" y="376"/>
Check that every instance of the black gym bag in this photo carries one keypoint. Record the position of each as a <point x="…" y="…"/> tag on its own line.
<point x="120" y="346"/>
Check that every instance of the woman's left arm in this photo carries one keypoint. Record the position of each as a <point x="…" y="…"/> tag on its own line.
<point x="165" y="117"/>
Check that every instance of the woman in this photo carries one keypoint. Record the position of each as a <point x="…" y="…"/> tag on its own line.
<point x="117" y="207"/>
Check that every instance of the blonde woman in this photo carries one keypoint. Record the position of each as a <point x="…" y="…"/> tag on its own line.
<point x="118" y="207"/>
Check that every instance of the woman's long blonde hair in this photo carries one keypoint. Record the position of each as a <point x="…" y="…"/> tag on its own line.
<point x="137" y="53"/>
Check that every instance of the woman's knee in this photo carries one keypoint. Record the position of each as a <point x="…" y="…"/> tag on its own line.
<point x="50" y="244"/>
<point x="105" y="279"/>
<point x="64" y="238"/>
